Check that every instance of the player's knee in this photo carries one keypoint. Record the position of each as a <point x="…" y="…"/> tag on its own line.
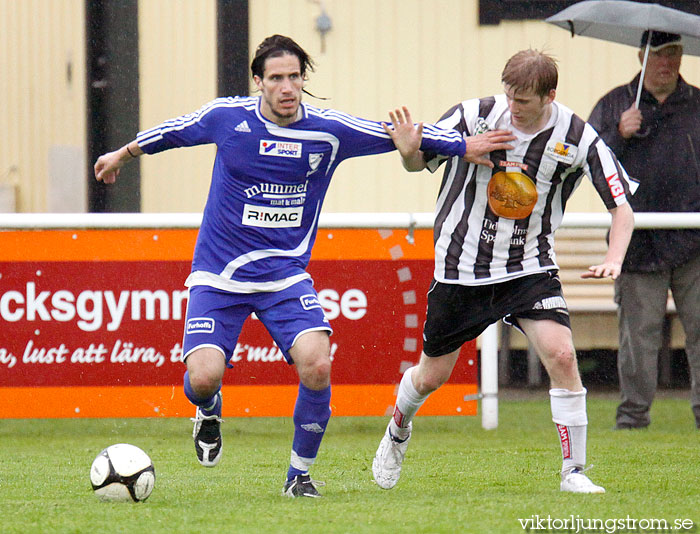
<point x="427" y="382"/>
<point x="321" y="372"/>
<point x="204" y="384"/>
<point x="205" y="368"/>
<point x="563" y="358"/>
<point x="316" y="373"/>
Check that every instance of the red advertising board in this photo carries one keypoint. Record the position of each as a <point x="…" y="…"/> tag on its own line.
<point x="91" y="326"/>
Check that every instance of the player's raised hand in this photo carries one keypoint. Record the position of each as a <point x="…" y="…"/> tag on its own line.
<point x="478" y="146"/>
<point x="405" y="135"/>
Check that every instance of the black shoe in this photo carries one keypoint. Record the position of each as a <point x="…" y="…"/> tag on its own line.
<point x="207" y="438"/>
<point x="302" y="486"/>
<point x="630" y="426"/>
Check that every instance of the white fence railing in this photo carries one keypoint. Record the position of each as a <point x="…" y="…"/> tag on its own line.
<point x="327" y="220"/>
<point x="489" y="339"/>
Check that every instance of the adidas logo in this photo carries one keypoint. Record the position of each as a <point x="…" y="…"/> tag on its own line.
<point x="313" y="427"/>
<point x="243" y="127"/>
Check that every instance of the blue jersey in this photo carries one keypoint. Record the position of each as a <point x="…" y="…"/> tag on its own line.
<point x="268" y="185"/>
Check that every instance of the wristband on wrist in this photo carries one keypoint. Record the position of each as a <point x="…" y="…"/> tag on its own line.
<point x="129" y="151"/>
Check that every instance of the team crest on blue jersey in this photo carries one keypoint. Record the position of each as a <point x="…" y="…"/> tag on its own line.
<point x="309" y="301"/>
<point x="200" y="325"/>
<point x="314" y="161"/>
<point x="282" y="149"/>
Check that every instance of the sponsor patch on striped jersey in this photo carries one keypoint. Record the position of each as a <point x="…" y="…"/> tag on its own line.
<point x="560" y="151"/>
<point x="517" y="164"/>
<point x="616" y="187"/>
<point x="481" y="126"/>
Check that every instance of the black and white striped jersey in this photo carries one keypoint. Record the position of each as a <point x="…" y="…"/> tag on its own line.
<point x="493" y="225"/>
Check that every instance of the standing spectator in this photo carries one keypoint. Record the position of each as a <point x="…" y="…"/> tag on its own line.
<point x="659" y="145"/>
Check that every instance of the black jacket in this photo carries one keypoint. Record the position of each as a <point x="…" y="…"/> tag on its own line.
<point x="663" y="157"/>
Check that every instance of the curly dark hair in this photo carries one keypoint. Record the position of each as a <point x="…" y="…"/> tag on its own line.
<point x="276" y="46"/>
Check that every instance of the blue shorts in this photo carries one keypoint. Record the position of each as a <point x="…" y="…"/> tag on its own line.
<point x="215" y="317"/>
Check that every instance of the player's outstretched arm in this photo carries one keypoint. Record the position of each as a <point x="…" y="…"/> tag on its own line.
<point x="407" y="138"/>
<point x="107" y="165"/>
<point x="480" y="145"/>
<point x="620" y="234"/>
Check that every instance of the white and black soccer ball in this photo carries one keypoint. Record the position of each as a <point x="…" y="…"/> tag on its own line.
<point x="122" y="473"/>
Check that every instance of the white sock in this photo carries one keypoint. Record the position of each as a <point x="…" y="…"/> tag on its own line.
<point x="569" y="415"/>
<point x="408" y="400"/>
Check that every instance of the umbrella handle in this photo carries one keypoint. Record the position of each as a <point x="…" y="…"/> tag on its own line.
<point x="644" y="68"/>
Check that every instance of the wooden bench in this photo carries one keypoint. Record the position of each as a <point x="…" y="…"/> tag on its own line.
<point x="591" y="305"/>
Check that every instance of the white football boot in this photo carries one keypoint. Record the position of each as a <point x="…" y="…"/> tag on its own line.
<point x="577" y="482"/>
<point x="386" y="466"/>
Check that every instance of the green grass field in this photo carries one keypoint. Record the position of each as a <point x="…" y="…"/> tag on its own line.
<point x="457" y="477"/>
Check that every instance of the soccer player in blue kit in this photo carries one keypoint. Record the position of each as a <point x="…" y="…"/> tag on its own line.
<point x="274" y="161"/>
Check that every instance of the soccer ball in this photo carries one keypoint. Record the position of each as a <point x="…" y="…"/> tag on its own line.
<point x="122" y="473"/>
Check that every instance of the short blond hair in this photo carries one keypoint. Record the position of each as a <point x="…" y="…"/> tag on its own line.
<point x="531" y="70"/>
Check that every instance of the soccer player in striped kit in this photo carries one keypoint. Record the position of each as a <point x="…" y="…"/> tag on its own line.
<point x="494" y="250"/>
<point x="275" y="158"/>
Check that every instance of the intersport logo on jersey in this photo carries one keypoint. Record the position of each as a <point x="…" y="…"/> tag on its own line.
<point x="280" y="148"/>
